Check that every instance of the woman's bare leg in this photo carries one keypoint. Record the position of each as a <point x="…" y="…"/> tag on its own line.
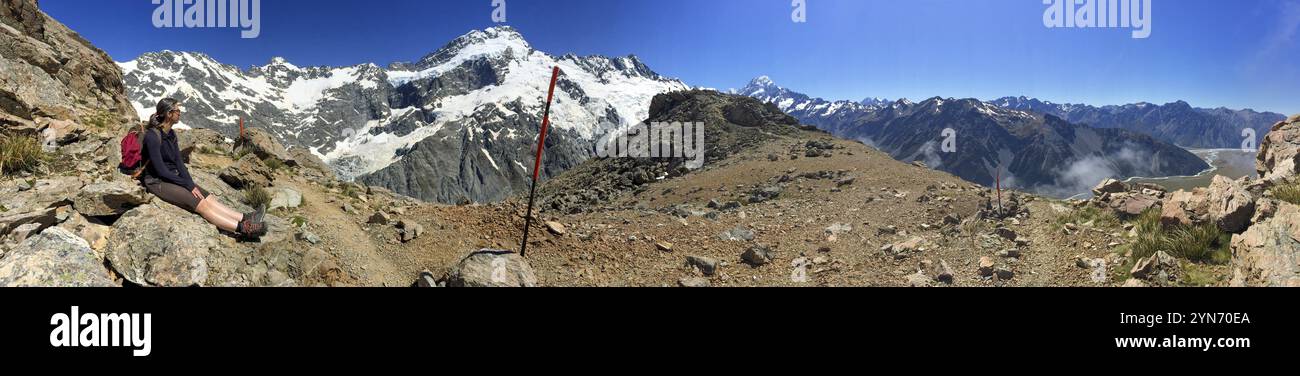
<point x="224" y="210"/>
<point x="207" y="209"/>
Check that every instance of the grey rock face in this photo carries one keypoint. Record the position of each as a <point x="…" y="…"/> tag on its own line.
<point x="162" y="246"/>
<point x="54" y="258"/>
<point x="51" y="72"/>
<point x="1279" y="154"/>
<point x="110" y="198"/>
<point x="284" y="198"/>
<point x="1231" y="206"/>
<point x="1267" y="253"/>
<point x="247" y="172"/>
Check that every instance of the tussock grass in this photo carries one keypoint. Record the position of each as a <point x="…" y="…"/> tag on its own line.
<point x="1289" y="192"/>
<point x="1099" y="217"/>
<point x="19" y="153"/>
<point x="1200" y="243"/>
<point x="275" y="164"/>
<point x="100" y="120"/>
<point x="351" y="191"/>
<point x="256" y="197"/>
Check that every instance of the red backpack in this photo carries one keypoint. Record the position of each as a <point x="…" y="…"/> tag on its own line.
<point x="133" y="162"/>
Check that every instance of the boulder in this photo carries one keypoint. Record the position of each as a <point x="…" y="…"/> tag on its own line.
<point x="317" y="264"/>
<point x="758" y="255"/>
<point x="192" y="140"/>
<point x="1109" y="186"/>
<point x="409" y="230"/>
<point x="425" y="280"/>
<point x="1267" y="253"/>
<point x="706" y="265"/>
<point x="986" y="266"/>
<point x="16" y="197"/>
<point x="53" y="258"/>
<point x="555" y="228"/>
<point x="92" y="231"/>
<point x="1231" y="206"/>
<point x="1279" y="153"/>
<point x="110" y="198"/>
<point x="942" y="272"/>
<point x="284" y="198"/>
<point x="1159" y="267"/>
<point x="1132" y="205"/>
<point x="247" y="172"/>
<point x="765" y="194"/>
<point x="43" y="218"/>
<point x="491" y="268"/>
<point x="25" y="231"/>
<point x="379" y="218"/>
<point x="1184" y="208"/>
<point x="311" y="164"/>
<point x="161" y="245"/>
<point x="60" y="132"/>
<point x="910" y="245"/>
<point x="263" y="144"/>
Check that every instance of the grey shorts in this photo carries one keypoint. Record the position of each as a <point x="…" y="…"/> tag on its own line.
<point x="173" y="194"/>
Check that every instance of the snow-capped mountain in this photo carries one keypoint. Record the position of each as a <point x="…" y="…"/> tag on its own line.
<point x="1040" y="153"/>
<point x="799" y="105"/>
<point x="1176" y="122"/>
<point x="455" y="126"/>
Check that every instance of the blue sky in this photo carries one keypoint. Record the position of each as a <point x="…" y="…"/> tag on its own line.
<point x="1211" y="53"/>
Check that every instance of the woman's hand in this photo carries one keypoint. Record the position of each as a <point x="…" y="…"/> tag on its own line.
<point x="197" y="193"/>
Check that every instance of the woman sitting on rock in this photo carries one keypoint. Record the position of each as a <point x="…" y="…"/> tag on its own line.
<point x="169" y="179"/>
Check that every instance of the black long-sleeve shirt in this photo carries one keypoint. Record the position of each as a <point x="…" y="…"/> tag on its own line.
<point x="165" y="161"/>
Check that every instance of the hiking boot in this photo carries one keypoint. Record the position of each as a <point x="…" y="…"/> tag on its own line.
<point x="252" y="229"/>
<point x="253" y="226"/>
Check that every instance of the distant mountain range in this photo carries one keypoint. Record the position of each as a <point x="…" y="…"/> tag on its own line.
<point x="1039" y="152"/>
<point x="1178" y="123"/>
<point x="456" y="126"/>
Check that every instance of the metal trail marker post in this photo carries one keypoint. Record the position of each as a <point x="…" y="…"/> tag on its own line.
<point x="537" y="162"/>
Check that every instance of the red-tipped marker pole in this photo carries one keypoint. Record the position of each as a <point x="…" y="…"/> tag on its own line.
<point x="537" y="162"/>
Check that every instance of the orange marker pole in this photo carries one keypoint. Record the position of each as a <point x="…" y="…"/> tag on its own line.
<point x="537" y="162"/>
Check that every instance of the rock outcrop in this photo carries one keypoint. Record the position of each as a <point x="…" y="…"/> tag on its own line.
<point x="262" y="144"/>
<point x="1268" y="254"/>
<point x="161" y="245"/>
<point x="191" y="141"/>
<point x="248" y="172"/>
<point x="1231" y="206"/>
<point x="50" y="72"/>
<point x="1279" y="153"/>
<point x="110" y="198"/>
<point x="54" y="258"/>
